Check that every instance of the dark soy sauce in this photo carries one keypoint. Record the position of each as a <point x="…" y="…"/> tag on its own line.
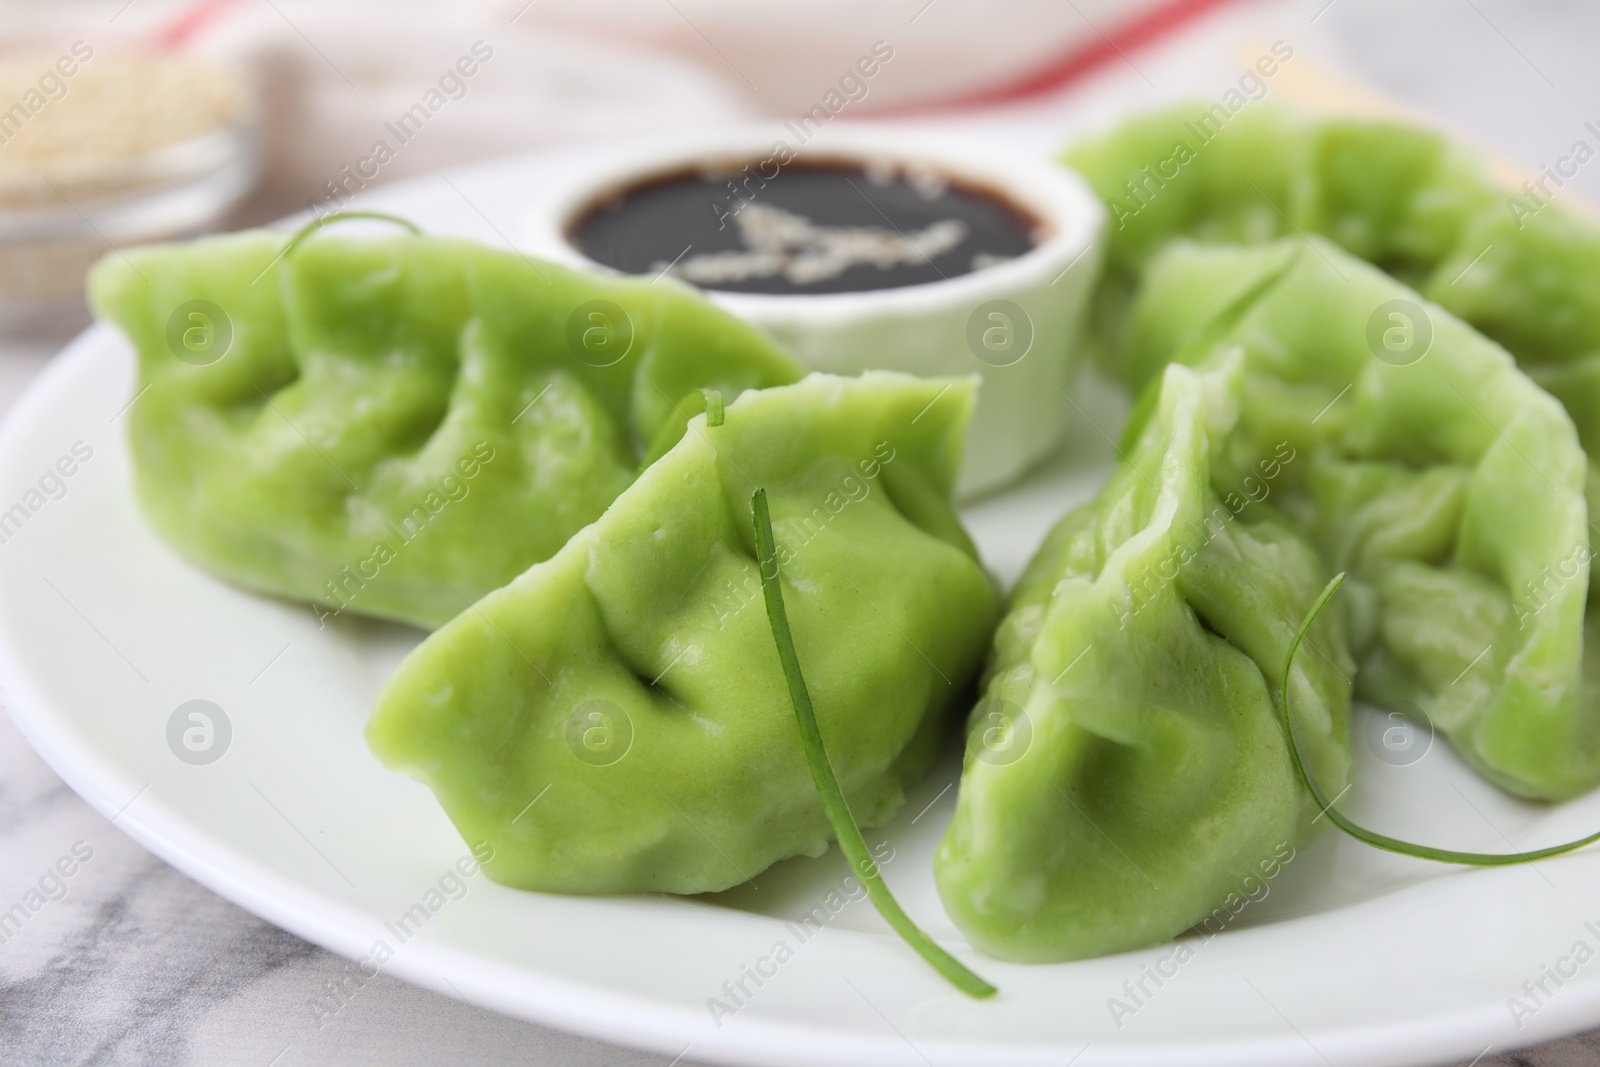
<point x="809" y="228"/>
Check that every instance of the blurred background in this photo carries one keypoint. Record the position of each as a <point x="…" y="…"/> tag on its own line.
<point x="124" y="121"/>
<point x="131" y="120"/>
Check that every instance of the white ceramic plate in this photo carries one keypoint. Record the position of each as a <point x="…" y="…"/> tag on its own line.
<point x="1353" y="957"/>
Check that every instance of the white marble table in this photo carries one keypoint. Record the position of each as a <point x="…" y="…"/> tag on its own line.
<point x="138" y="964"/>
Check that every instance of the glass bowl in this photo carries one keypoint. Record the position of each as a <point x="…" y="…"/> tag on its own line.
<point x="61" y="213"/>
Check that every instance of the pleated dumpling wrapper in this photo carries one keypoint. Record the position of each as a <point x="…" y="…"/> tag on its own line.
<point x="394" y="426"/>
<point x="617" y="719"/>
<point x="1126" y="772"/>
<point x="1513" y="261"/>
<point x="1445" y="482"/>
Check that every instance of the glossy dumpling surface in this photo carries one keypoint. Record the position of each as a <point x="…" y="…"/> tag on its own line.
<point x="629" y="689"/>
<point x="395" y="426"/>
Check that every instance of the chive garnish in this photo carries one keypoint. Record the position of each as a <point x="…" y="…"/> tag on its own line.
<point x="715" y="412"/>
<point x="833" y="801"/>
<point x="340" y="216"/>
<point x="1361" y="833"/>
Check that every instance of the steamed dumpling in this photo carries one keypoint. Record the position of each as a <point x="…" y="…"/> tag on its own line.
<point x="616" y="719"/>
<point x="1139" y="658"/>
<point x="1513" y="262"/>
<point x="1447" y="484"/>
<point x="1126" y="771"/>
<point x="1520" y="269"/>
<point x="395" y="426"/>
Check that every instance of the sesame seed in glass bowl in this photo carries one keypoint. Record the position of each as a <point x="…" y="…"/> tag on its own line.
<point x="100" y="149"/>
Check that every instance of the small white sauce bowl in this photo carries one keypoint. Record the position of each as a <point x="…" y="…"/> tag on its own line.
<point x="1017" y="324"/>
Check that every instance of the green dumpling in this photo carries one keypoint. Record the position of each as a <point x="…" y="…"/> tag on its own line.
<point x="1514" y="263"/>
<point x="617" y="720"/>
<point x="395" y="426"/>
<point x="1441" y="478"/>
<point x="1127" y="773"/>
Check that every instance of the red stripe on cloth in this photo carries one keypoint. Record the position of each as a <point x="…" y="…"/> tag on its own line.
<point x="1159" y="22"/>
<point x="179" y="31"/>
